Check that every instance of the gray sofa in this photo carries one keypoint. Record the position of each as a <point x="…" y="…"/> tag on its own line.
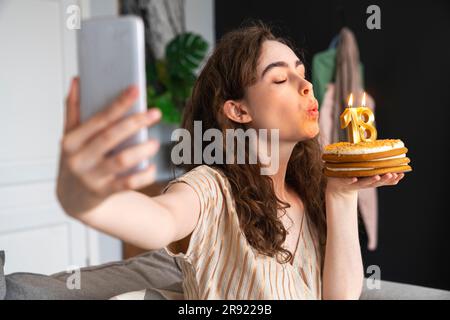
<point x="149" y="271"/>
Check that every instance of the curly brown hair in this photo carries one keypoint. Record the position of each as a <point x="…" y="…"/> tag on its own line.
<point x="228" y="72"/>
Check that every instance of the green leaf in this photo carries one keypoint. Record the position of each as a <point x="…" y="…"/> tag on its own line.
<point x="184" y="54"/>
<point x="170" y="80"/>
<point x="170" y="112"/>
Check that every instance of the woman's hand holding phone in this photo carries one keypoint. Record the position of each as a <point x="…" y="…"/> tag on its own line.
<point x="87" y="176"/>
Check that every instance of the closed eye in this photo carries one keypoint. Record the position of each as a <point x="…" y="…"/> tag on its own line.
<point x="282" y="81"/>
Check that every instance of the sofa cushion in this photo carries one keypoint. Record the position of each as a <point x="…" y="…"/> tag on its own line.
<point x="401" y="291"/>
<point x="153" y="269"/>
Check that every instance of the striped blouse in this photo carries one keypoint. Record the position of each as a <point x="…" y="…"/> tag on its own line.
<point x="219" y="262"/>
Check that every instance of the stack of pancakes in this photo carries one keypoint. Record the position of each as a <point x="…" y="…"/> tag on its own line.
<point x="364" y="159"/>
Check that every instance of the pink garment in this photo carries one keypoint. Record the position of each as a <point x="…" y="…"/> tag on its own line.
<point x="329" y="132"/>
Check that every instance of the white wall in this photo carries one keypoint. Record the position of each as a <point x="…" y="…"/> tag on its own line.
<point x="200" y="18"/>
<point x="36" y="62"/>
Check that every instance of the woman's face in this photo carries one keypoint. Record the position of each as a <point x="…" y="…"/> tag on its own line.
<point x="282" y="98"/>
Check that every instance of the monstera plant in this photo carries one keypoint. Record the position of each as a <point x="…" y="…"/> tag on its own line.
<point x="170" y="80"/>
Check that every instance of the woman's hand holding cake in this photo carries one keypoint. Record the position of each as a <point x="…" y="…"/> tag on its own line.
<point x="349" y="185"/>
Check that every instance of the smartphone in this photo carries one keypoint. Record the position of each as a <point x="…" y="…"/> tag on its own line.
<point x="111" y="57"/>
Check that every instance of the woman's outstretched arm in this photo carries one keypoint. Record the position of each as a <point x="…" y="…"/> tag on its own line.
<point x="343" y="272"/>
<point x="146" y="222"/>
<point x="90" y="189"/>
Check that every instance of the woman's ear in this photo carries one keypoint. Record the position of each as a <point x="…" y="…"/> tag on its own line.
<point x="236" y="111"/>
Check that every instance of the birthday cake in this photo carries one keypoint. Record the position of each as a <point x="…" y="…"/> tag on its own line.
<point x="365" y="158"/>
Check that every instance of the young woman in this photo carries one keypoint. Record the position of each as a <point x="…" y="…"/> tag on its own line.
<point x="238" y="234"/>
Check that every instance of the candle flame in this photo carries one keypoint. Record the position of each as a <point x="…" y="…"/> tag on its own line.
<point x="364" y="100"/>
<point x="350" y="100"/>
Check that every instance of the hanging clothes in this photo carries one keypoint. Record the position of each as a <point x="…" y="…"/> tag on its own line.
<point x="322" y="72"/>
<point x="335" y="74"/>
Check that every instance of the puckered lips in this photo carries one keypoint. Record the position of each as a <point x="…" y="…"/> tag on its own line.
<point x="313" y="109"/>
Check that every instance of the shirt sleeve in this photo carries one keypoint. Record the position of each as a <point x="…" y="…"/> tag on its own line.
<point x="204" y="181"/>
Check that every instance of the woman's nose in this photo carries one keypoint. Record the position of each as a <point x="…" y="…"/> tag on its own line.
<point x="307" y="88"/>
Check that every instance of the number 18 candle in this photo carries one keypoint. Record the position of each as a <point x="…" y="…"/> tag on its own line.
<point x="358" y="121"/>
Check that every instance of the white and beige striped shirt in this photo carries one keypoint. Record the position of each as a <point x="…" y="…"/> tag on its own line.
<point x="219" y="262"/>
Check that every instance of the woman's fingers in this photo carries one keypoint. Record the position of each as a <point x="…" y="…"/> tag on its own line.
<point x="387" y="179"/>
<point x="396" y="179"/>
<point x="76" y="138"/>
<point x="126" y="159"/>
<point x="97" y="148"/>
<point x="366" y="182"/>
<point x="72" y="116"/>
